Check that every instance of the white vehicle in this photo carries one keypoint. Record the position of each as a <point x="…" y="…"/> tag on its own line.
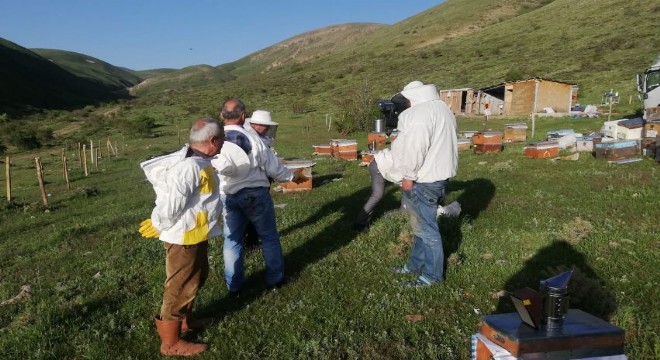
<point x="648" y="84"/>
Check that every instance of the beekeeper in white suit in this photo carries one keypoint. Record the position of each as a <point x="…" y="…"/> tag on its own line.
<point x="424" y="157"/>
<point x="185" y="217"/>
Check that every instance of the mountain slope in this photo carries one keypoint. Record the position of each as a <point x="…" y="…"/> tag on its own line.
<point x="599" y="45"/>
<point x="31" y="81"/>
<point x="81" y="65"/>
<point x="186" y="78"/>
<point x="303" y="48"/>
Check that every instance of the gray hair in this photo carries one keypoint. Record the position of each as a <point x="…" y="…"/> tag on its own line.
<point x="203" y="129"/>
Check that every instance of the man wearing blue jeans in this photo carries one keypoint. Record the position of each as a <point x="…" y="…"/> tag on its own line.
<point x="424" y="157"/>
<point x="245" y="194"/>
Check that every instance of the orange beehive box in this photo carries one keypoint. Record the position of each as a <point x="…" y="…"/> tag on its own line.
<point x="305" y="168"/>
<point x="487" y="148"/>
<point x="366" y="157"/>
<point x="347" y="154"/>
<point x="338" y="145"/>
<point x="377" y="140"/>
<point x="542" y="150"/>
<point x="488" y="137"/>
<point x="322" y="150"/>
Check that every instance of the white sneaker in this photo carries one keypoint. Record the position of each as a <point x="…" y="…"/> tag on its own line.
<point x="453" y="210"/>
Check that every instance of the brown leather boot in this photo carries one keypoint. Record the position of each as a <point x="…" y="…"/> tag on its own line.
<point x="171" y="343"/>
<point x="188" y="323"/>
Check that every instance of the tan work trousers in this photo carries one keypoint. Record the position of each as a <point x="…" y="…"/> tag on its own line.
<point x="187" y="268"/>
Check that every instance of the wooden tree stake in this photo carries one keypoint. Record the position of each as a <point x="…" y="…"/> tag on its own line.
<point x="40" y="177"/>
<point x="66" y="173"/>
<point x="8" y="177"/>
<point x="84" y="159"/>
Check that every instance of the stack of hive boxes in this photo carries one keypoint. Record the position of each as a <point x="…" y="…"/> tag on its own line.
<point x="651" y="138"/>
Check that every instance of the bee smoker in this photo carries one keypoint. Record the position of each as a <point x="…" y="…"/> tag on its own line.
<point x="554" y="292"/>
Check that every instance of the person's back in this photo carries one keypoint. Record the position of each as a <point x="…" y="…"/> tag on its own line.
<point x="426" y="148"/>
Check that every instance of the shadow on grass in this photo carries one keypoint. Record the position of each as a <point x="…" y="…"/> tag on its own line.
<point x="585" y="288"/>
<point x="328" y="240"/>
<point x="320" y="181"/>
<point x="475" y="197"/>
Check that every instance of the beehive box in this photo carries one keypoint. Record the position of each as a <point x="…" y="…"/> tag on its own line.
<point x="467" y="134"/>
<point x="586" y="143"/>
<point x="366" y="157"/>
<point x="582" y="336"/>
<point x="347" y="154"/>
<point x="610" y="129"/>
<point x="488" y="137"/>
<point x="615" y="150"/>
<point x="338" y="145"/>
<point x="377" y="140"/>
<point x="464" y="144"/>
<point x="542" y="150"/>
<point x="652" y="113"/>
<point x="303" y="166"/>
<point x="487" y="148"/>
<point x="630" y="129"/>
<point x="322" y="150"/>
<point x="652" y="128"/>
<point x="556" y="134"/>
<point x="515" y="132"/>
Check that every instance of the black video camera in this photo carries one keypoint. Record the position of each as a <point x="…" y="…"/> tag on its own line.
<point x="390" y="109"/>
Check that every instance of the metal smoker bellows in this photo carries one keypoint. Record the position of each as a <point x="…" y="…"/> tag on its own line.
<point x="554" y="292"/>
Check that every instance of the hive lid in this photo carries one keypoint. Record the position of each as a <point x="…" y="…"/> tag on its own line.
<point x="298" y="163"/>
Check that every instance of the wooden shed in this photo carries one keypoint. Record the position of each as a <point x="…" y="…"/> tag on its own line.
<point x="460" y="101"/>
<point x="533" y="96"/>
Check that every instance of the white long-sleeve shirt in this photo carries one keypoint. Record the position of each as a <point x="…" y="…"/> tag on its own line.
<point x="425" y="149"/>
<point x="263" y="164"/>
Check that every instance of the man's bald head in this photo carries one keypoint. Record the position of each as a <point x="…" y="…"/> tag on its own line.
<point x="233" y="112"/>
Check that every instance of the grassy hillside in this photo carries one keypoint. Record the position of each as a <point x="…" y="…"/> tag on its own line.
<point x="597" y="45"/>
<point x="81" y="65"/>
<point x="145" y="74"/>
<point x="30" y="81"/>
<point x="302" y="49"/>
<point x="186" y="79"/>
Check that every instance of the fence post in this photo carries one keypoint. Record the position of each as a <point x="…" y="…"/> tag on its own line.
<point x="8" y="177"/>
<point x="66" y="173"/>
<point x="80" y="156"/>
<point x="91" y="151"/>
<point x="40" y="177"/>
<point x="84" y="160"/>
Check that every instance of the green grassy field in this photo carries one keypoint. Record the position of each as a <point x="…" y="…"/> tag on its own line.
<point x="95" y="285"/>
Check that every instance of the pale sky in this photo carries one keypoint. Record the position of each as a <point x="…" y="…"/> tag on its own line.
<point x="150" y="34"/>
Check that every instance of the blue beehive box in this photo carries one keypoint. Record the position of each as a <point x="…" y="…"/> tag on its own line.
<point x="615" y="150"/>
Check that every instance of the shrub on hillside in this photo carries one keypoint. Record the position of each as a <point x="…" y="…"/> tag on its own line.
<point x="142" y="125"/>
<point x="357" y="109"/>
<point x="21" y="136"/>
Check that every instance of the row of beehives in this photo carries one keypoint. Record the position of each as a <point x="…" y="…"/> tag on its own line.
<point x="347" y="149"/>
<point x="611" y="143"/>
